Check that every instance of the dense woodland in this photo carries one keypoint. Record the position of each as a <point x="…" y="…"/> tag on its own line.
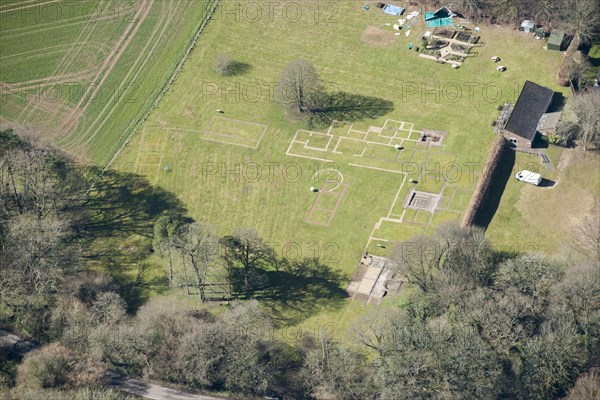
<point x="475" y="324"/>
<point x="576" y="17"/>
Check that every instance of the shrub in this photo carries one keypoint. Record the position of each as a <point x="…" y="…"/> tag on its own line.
<point x="45" y="368"/>
<point x="554" y="138"/>
<point x="109" y="308"/>
<point x="87" y="393"/>
<point x="586" y="387"/>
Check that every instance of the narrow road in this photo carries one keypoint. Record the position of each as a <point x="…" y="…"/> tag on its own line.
<point x="16" y="344"/>
<point x="151" y="391"/>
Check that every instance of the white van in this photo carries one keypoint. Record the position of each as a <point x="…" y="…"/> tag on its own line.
<point x="529" y="177"/>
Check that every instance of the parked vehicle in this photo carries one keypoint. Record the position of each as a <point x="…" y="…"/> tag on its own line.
<point x="529" y="177"/>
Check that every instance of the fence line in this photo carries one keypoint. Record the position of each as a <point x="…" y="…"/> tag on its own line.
<point x="207" y="17"/>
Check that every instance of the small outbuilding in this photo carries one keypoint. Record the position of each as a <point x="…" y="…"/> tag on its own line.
<point x="556" y="40"/>
<point x="393" y="10"/>
<point x="527" y="26"/>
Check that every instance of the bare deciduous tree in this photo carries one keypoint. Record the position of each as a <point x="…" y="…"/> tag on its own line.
<point x="336" y="372"/>
<point x="577" y="297"/>
<point x="198" y="248"/>
<point x="531" y="275"/>
<point x="300" y="87"/>
<point x="499" y="317"/>
<point x="36" y="259"/>
<point x="504" y="11"/>
<point x="586" y="239"/>
<point x="223" y="64"/>
<point x="543" y="11"/>
<point x="471" y="8"/>
<point x="109" y="308"/>
<point x="419" y="260"/>
<point x="582" y="120"/>
<point x="551" y="360"/>
<point x="162" y="242"/>
<point x="246" y="249"/>
<point x="579" y="18"/>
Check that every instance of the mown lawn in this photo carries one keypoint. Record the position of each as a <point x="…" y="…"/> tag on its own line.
<point x="215" y="181"/>
<point x="546" y="219"/>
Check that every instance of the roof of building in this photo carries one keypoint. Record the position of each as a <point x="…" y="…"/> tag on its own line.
<point x="556" y="38"/>
<point x="528" y="24"/>
<point x="549" y="121"/>
<point x="443" y="12"/>
<point x="531" y="105"/>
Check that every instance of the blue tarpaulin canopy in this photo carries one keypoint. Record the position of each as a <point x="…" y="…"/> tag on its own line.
<point x="393" y="10"/>
<point x="441" y="17"/>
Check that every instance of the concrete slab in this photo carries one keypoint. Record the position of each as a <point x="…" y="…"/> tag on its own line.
<point x="365" y="287"/>
<point x="372" y="273"/>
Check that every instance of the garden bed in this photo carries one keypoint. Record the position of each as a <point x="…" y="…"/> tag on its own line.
<point x="465" y="37"/>
<point x="445" y="33"/>
<point x="454" y="57"/>
<point x="434" y="53"/>
<point x="436" y="44"/>
<point x="460" y="48"/>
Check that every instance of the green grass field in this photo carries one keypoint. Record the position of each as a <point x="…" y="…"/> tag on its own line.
<point x="219" y="175"/>
<point x="547" y="219"/>
<point x="85" y="73"/>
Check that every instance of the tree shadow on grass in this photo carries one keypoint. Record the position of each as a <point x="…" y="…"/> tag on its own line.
<point x="595" y="62"/>
<point x="139" y="289"/>
<point x="297" y="289"/>
<point x="342" y="106"/>
<point x="586" y="48"/>
<point x="502" y="175"/>
<point x="137" y="277"/>
<point x="117" y="227"/>
<point x="124" y="204"/>
<point x="237" y="68"/>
